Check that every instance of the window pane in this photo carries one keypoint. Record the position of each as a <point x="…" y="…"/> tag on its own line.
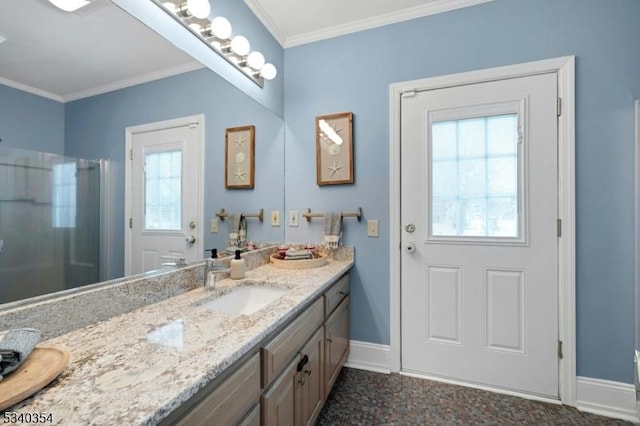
<point x="444" y="140"/>
<point x="474" y="192"/>
<point x="163" y="191"/>
<point x="64" y="195"/>
<point x="471" y="137"/>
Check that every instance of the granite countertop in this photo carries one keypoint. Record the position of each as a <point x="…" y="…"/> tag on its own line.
<point x="137" y="367"/>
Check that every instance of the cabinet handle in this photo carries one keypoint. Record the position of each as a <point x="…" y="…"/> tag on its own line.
<point x="329" y="339"/>
<point x="308" y="372"/>
<point x="342" y="293"/>
<point x="302" y="363"/>
<point x="301" y="380"/>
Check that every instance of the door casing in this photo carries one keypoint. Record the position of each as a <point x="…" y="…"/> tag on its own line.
<point x="565" y="68"/>
<point x="199" y="191"/>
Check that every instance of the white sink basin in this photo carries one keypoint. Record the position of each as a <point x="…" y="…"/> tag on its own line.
<point x="245" y="299"/>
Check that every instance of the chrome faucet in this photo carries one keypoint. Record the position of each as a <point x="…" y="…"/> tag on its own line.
<point x="211" y="266"/>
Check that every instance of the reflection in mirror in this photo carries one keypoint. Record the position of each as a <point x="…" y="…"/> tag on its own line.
<point x="50" y="222"/>
<point x="68" y="92"/>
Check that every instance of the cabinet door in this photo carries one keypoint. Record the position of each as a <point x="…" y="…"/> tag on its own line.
<point x="336" y="344"/>
<point x="310" y="380"/>
<point x="253" y="418"/>
<point x="278" y="403"/>
<point x="230" y="400"/>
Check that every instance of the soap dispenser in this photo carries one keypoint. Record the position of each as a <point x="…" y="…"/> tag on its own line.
<point x="238" y="266"/>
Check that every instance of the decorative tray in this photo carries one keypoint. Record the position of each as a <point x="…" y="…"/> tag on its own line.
<point x="319" y="261"/>
<point x="40" y="368"/>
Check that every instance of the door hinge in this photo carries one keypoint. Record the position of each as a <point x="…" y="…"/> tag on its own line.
<point x="559" y="107"/>
<point x="409" y="94"/>
<point x="559" y="227"/>
<point x="560" y="349"/>
<point x="130" y="154"/>
<point x="130" y="223"/>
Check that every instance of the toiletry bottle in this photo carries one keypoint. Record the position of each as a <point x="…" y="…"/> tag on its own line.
<point x="238" y="266"/>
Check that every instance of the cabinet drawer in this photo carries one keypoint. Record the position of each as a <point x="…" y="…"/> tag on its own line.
<point x="335" y="294"/>
<point x="229" y="401"/>
<point x="281" y="350"/>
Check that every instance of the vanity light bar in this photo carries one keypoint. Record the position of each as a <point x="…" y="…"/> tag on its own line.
<point x="217" y="35"/>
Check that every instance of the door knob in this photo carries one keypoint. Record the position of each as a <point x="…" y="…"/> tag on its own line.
<point x="191" y="239"/>
<point x="410" y="248"/>
<point x="410" y="228"/>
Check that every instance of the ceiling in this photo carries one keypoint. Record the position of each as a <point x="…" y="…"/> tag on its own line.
<point x="66" y="56"/>
<point x="100" y="48"/>
<point x="296" y="22"/>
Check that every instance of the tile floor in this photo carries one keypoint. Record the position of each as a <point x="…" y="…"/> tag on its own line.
<point x="366" y="398"/>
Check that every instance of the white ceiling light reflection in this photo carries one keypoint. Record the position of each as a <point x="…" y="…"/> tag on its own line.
<point x="170" y="335"/>
<point x="69" y="5"/>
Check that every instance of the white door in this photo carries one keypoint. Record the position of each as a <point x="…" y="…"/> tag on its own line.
<point x="164" y="196"/>
<point x="479" y="288"/>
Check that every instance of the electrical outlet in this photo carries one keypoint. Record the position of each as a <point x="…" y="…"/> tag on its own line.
<point x="214" y="226"/>
<point x="294" y="217"/>
<point x="275" y="218"/>
<point x="372" y="228"/>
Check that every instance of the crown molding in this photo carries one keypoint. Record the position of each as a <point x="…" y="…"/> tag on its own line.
<point x="30" y="89"/>
<point x="267" y="21"/>
<point x="122" y="84"/>
<point x="431" y="8"/>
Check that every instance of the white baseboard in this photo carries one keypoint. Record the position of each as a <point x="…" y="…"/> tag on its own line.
<point x="369" y="356"/>
<point x="607" y="398"/>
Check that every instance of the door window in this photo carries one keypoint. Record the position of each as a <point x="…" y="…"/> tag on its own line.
<point x="475" y="178"/>
<point x="163" y="191"/>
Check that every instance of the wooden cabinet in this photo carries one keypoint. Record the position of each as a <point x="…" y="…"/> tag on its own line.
<point x="229" y="402"/>
<point x="282" y="348"/>
<point x="336" y="330"/>
<point x="310" y="380"/>
<point x="287" y="384"/>
<point x="278" y="403"/>
<point x="253" y="418"/>
<point x="297" y="396"/>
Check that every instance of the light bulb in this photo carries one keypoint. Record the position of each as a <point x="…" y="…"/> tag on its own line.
<point x="240" y="45"/>
<point x="269" y="71"/>
<point x="69" y="5"/>
<point x="199" y="8"/>
<point x="255" y="60"/>
<point x="169" y="6"/>
<point x="221" y="28"/>
<point x="195" y="27"/>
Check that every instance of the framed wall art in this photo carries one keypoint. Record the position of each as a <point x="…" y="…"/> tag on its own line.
<point x="334" y="149"/>
<point x="239" y="157"/>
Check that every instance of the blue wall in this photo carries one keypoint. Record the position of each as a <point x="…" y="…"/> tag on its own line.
<point x="353" y="73"/>
<point x="95" y="128"/>
<point x="31" y="122"/>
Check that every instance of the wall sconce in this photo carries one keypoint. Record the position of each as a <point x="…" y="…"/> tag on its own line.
<point x="217" y="34"/>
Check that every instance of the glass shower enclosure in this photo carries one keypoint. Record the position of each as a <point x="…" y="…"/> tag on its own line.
<point x="50" y="223"/>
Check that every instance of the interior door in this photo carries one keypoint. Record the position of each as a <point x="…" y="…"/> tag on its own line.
<point x="165" y="197"/>
<point x="479" y="289"/>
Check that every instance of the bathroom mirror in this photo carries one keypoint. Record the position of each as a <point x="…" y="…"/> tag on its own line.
<point x="70" y="84"/>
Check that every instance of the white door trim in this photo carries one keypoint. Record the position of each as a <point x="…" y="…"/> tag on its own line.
<point x="565" y="67"/>
<point x="151" y="127"/>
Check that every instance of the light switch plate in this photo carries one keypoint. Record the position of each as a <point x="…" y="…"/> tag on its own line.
<point x="294" y="217"/>
<point x="372" y="228"/>
<point x="275" y="218"/>
<point x="214" y="226"/>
